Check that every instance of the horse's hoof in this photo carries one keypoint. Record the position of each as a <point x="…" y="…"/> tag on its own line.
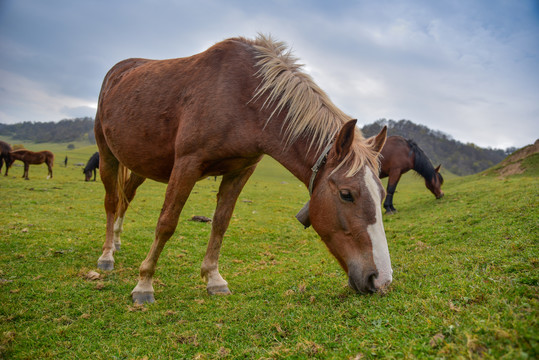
<point x="106" y="265"/>
<point x="117" y="247"/>
<point x="143" y="297"/>
<point x="219" y="290"/>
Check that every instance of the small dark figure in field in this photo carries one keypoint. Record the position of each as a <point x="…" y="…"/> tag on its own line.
<point x="5" y="149"/>
<point x="400" y="155"/>
<point x="33" y="158"/>
<point x="92" y="165"/>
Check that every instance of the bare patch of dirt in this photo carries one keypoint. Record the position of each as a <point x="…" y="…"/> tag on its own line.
<point x="511" y="165"/>
<point x="511" y="169"/>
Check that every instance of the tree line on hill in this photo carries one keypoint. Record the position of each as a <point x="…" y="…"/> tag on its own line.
<point x="459" y="158"/>
<point x="56" y="132"/>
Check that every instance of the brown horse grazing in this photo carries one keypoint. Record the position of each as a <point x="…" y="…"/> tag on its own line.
<point x="33" y="158"/>
<point x="217" y="113"/>
<point x="5" y="149"/>
<point x="400" y="155"/>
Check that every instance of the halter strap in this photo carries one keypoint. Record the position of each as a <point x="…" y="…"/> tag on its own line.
<point x="318" y="164"/>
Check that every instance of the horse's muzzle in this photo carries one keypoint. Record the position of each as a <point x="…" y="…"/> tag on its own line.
<point x="368" y="281"/>
<point x="363" y="284"/>
<point x="362" y="279"/>
<point x="441" y="195"/>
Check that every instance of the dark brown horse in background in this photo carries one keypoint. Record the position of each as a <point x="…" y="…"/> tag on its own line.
<point x="5" y="149"/>
<point x="217" y="113"/>
<point x="33" y="158"/>
<point x="91" y="165"/>
<point x="400" y="155"/>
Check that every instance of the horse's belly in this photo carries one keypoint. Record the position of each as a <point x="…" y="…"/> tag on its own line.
<point x="156" y="170"/>
<point x="145" y="152"/>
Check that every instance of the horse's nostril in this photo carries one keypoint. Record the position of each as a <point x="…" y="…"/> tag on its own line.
<point x="370" y="282"/>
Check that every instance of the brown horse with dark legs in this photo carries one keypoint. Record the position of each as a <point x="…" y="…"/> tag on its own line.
<point x="400" y="155"/>
<point x="5" y="149"/>
<point x="33" y="158"/>
<point x="217" y="113"/>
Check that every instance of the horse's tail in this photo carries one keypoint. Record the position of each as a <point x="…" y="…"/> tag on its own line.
<point x="121" y="181"/>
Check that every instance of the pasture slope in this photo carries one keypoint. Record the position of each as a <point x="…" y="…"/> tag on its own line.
<point x="465" y="274"/>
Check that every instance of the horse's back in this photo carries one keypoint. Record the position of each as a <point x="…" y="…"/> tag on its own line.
<point x="33" y="158"/>
<point x="93" y="162"/>
<point x="152" y="111"/>
<point x="49" y="156"/>
<point x="395" y="155"/>
<point x="20" y="154"/>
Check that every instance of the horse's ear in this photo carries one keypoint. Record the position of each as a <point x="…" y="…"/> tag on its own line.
<point x="344" y="140"/>
<point x="378" y="141"/>
<point x="438" y="168"/>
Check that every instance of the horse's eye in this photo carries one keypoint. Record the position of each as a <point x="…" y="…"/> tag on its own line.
<point x="346" y="196"/>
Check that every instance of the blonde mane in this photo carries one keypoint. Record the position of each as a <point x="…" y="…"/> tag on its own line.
<point x="310" y="112"/>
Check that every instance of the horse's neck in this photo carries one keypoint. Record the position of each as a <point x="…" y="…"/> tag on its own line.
<point x="422" y="165"/>
<point x="297" y="158"/>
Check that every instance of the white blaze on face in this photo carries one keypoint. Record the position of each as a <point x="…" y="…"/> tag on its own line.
<point x="380" y="251"/>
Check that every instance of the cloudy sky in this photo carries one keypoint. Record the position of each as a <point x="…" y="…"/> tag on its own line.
<point x="469" y="68"/>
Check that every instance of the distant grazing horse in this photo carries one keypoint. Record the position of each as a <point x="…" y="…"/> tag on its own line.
<point x="399" y="155"/>
<point x="33" y="158"/>
<point x="217" y="113"/>
<point x="93" y="163"/>
<point x="5" y="149"/>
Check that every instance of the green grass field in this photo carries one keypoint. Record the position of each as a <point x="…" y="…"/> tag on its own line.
<point x="465" y="273"/>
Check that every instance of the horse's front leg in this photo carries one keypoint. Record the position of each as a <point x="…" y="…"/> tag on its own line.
<point x="394" y="178"/>
<point x="229" y="190"/>
<point x="181" y="182"/>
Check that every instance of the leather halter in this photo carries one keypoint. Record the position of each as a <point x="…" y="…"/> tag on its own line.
<point x="318" y="164"/>
<point x="303" y="214"/>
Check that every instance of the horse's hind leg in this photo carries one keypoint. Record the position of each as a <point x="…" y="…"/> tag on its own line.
<point x="229" y="190"/>
<point x="130" y="189"/>
<point x="49" y="166"/>
<point x="109" y="175"/>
